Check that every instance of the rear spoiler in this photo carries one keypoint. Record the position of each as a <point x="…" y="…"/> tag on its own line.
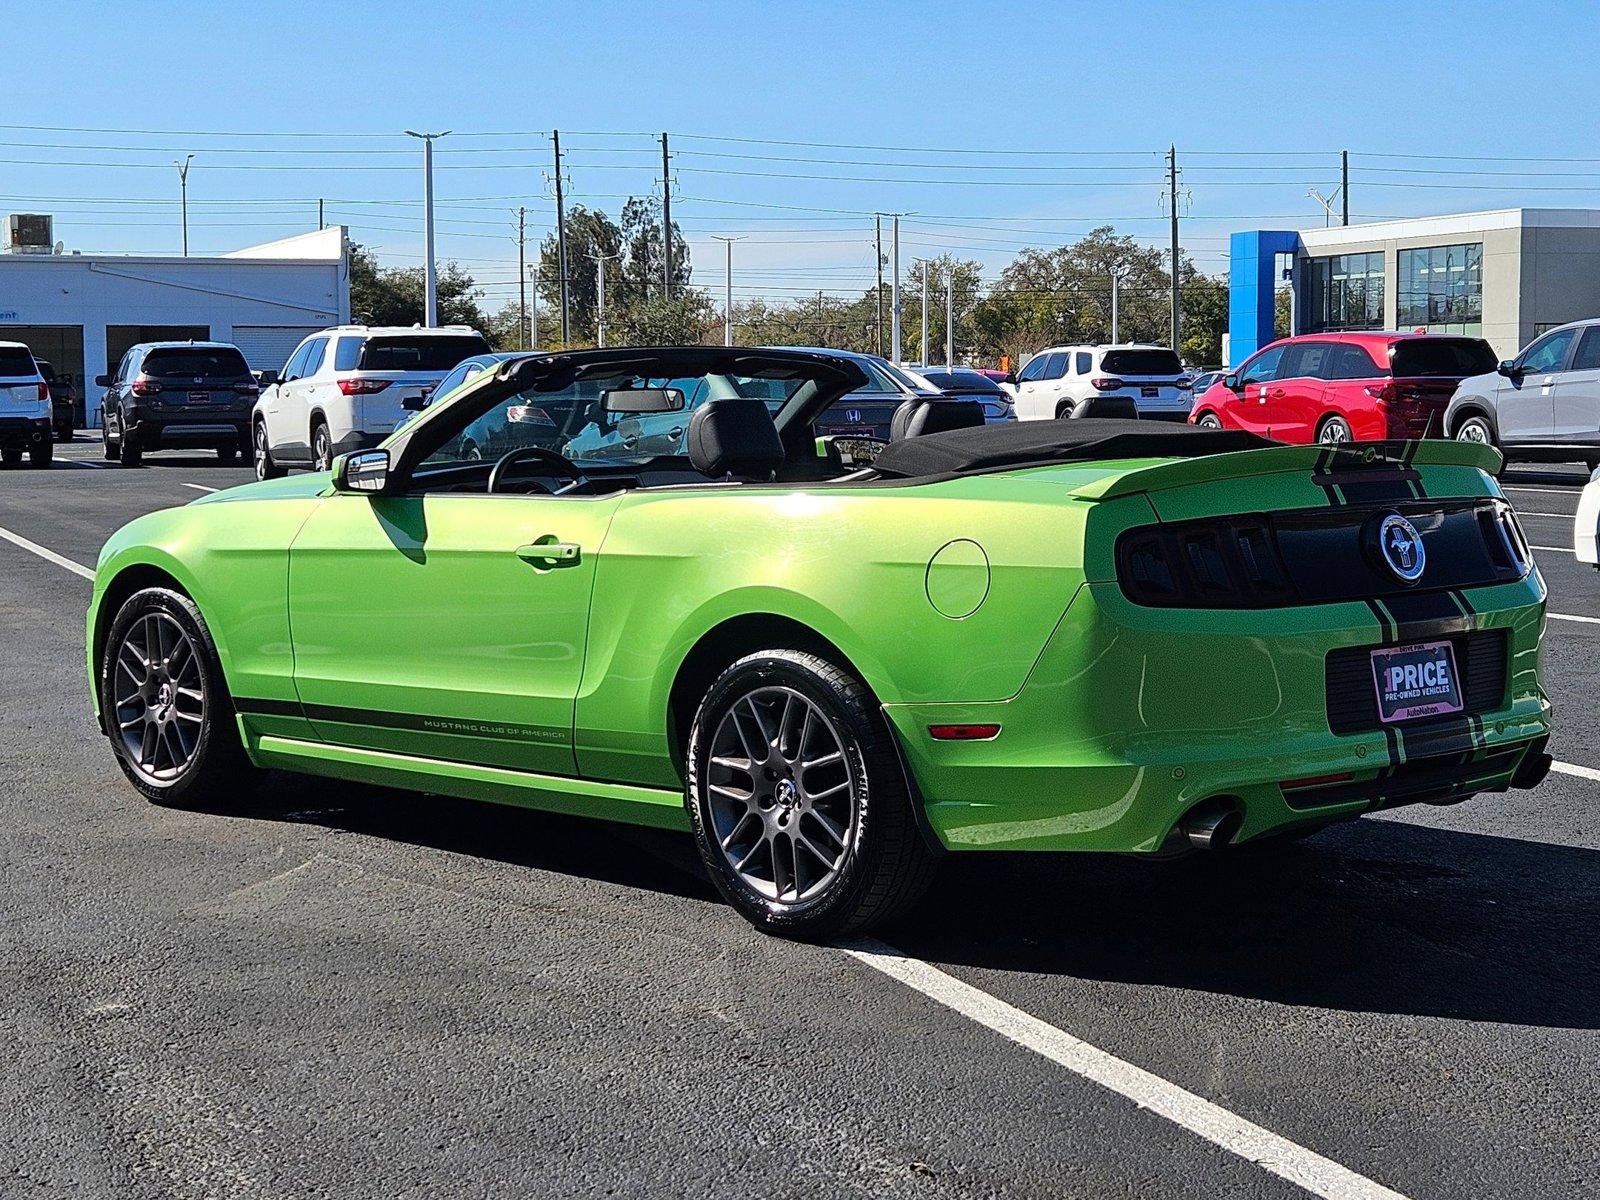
<point x="1317" y="460"/>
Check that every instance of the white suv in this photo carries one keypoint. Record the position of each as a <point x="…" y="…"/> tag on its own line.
<point x="25" y="410"/>
<point x="347" y="388"/>
<point x="1055" y="382"/>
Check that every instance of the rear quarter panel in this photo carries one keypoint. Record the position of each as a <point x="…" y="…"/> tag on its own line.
<point x="850" y="564"/>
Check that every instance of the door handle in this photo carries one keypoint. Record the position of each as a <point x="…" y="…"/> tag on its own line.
<point x="553" y="554"/>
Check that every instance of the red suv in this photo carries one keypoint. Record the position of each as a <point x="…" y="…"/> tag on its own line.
<point x="1340" y="387"/>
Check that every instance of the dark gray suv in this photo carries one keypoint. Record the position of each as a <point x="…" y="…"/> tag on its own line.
<point x="175" y="396"/>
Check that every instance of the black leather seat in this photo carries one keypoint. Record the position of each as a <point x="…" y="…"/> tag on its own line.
<point x="735" y="438"/>
<point x="917" y="417"/>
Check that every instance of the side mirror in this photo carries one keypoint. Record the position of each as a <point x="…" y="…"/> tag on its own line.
<point x="268" y="378"/>
<point x="1509" y="369"/>
<point x="363" y="471"/>
<point x="1231" y="382"/>
<point x="102" y="381"/>
<point x="414" y="403"/>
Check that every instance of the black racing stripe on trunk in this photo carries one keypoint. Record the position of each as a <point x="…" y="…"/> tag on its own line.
<point x="1377" y="487"/>
<point x="1319" y="476"/>
<point x="1420" y="615"/>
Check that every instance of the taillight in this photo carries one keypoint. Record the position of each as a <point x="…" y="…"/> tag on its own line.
<point x="247" y="389"/>
<point x="362" y="387"/>
<point x="44" y="390"/>
<point x="1203" y="564"/>
<point x="1184" y="385"/>
<point x="1503" y="535"/>
<point x="1105" y="383"/>
<point x="145" y="387"/>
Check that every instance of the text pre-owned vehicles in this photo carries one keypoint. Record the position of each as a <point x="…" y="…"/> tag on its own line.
<point x="25" y="418"/>
<point x="63" y="399"/>
<point x="1331" y="388"/>
<point x="1056" y="381"/>
<point x="966" y="384"/>
<point x="1542" y="405"/>
<point x="1087" y="635"/>
<point x="177" y="396"/>
<point x="348" y="388"/>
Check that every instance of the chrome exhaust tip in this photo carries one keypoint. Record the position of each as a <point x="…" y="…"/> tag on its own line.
<point x="1212" y="829"/>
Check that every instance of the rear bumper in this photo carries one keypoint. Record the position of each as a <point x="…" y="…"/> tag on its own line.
<point x="25" y="431"/>
<point x="1133" y="716"/>
<point x="214" y="428"/>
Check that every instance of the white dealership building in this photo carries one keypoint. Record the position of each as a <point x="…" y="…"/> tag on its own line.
<point x="81" y="312"/>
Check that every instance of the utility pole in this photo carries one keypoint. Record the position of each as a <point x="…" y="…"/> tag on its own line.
<point x="923" y="349"/>
<point x="522" y="271"/>
<point x="727" y="288"/>
<point x="950" y="319"/>
<point x="430" y="279"/>
<point x="1344" y="184"/>
<point x="1172" y="198"/>
<point x="561" y="245"/>
<point x="183" y="201"/>
<point x="533" y="327"/>
<point x="666" y="221"/>
<point x="877" y="262"/>
<point x="894" y="294"/>
<point x="600" y="300"/>
<point x="1116" y="289"/>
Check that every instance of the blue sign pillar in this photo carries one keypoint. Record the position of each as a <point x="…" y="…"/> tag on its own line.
<point x="1252" y="288"/>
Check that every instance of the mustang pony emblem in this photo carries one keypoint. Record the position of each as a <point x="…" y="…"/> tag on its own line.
<point x="1401" y="547"/>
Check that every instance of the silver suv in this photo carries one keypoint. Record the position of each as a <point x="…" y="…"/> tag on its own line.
<point x="1542" y="405"/>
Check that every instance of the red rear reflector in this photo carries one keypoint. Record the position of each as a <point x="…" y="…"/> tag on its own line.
<point x="963" y="733"/>
<point x="1316" y="780"/>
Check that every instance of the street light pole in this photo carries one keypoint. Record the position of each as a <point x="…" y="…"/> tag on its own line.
<point x="894" y="293"/>
<point x="727" y="288"/>
<point x="600" y="300"/>
<point x="430" y="279"/>
<point x="923" y="349"/>
<point x="183" y="198"/>
<point x="950" y="319"/>
<point x="1116" y="289"/>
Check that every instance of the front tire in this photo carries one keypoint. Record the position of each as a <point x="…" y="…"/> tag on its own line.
<point x="166" y="706"/>
<point x="265" y="467"/>
<point x="797" y="799"/>
<point x="1208" y="420"/>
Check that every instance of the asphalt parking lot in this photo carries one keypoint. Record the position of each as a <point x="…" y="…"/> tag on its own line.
<point x="349" y="992"/>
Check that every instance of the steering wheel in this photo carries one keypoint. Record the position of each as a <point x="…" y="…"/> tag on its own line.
<point x="538" y="454"/>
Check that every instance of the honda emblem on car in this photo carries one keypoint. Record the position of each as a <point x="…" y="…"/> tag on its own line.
<point x="1401" y="547"/>
<point x="853" y="415"/>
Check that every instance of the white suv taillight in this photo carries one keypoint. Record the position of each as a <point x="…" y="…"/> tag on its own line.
<point x="362" y="387"/>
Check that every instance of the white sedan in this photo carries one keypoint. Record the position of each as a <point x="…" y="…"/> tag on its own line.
<point x="1587" y="525"/>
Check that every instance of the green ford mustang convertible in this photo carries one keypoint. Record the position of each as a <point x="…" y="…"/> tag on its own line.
<point x="1061" y="635"/>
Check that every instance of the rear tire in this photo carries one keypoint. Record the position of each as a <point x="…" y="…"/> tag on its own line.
<point x="41" y="454"/>
<point x="1208" y="420"/>
<point x="265" y="467"/>
<point x="1476" y="429"/>
<point x="129" y="452"/>
<point x="166" y="706"/>
<point x="1334" y="431"/>
<point x="11" y="457"/>
<point x="228" y="454"/>
<point x="1064" y="410"/>
<point x="817" y="838"/>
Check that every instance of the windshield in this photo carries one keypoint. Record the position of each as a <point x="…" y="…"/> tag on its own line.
<point x="199" y="362"/>
<point x="1141" y="362"/>
<point x="963" y="381"/>
<point x="428" y="352"/>
<point x="572" y="421"/>
<point x="1449" y="357"/>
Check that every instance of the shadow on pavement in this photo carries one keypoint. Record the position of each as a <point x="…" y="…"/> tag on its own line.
<point x="1367" y="917"/>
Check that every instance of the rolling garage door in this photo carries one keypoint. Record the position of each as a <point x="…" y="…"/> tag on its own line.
<point x="267" y="347"/>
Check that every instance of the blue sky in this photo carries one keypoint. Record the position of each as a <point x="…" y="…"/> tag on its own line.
<point x="1259" y="99"/>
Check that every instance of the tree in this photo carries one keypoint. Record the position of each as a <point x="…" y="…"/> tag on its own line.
<point x="640" y="277"/>
<point x="687" y="319"/>
<point x="397" y="295"/>
<point x="590" y="234"/>
<point x="968" y="275"/>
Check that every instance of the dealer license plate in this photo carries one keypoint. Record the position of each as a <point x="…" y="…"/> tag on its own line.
<point x="1419" y="680"/>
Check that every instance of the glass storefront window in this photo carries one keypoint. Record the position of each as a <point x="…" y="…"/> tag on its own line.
<point x="1440" y="289"/>
<point x="1344" y="292"/>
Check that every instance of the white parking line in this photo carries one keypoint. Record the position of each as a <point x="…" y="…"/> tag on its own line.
<point x="1570" y="617"/>
<point x="1511" y="487"/>
<point x="48" y="555"/>
<point x="1567" y="768"/>
<point x="200" y="487"/>
<point x="1305" y="1168"/>
<point x="1553" y="549"/>
<point x="1528" y="512"/>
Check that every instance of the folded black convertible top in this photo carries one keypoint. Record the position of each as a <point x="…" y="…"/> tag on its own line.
<point x="1039" y="443"/>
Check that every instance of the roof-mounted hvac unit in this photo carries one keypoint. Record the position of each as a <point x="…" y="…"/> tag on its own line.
<point x="28" y="233"/>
